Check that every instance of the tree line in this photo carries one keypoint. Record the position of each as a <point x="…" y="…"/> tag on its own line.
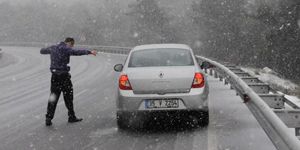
<point x="261" y="33"/>
<point x="254" y="33"/>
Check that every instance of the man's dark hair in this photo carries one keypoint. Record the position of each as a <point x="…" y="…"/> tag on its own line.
<point x="69" y="39"/>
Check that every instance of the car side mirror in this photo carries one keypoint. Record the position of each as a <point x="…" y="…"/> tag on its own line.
<point x="118" y="67"/>
<point x="206" y="65"/>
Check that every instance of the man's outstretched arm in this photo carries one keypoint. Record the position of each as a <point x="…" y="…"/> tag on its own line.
<point x="76" y="52"/>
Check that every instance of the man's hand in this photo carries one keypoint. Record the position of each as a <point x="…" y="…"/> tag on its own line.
<point x="94" y="52"/>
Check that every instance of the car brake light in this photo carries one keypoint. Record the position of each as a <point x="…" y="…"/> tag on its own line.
<point x="124" y="83"/>
<point x="198" y="80"/>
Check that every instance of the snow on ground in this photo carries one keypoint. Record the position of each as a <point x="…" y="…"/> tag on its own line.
<point x="269" y="76"/>
<point x="6" y="59"/>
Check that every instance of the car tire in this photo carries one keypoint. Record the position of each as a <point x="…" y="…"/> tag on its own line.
<point x="122" y="123"/>
<point x="199" y="118"/>
<point x="204" y="120"/>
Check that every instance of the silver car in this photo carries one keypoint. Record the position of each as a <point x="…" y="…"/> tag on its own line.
<point x="161" y="79"/>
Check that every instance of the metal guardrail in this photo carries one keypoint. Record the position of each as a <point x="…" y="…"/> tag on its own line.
<point x="113" y="50"/>
<point x="252" y="91"/>
<point x="108" y="49"/>
<point x="256" y="96"/>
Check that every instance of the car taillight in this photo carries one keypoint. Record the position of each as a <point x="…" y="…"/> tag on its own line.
<point x="198" y="80"/>
<point x="124" y="83"/>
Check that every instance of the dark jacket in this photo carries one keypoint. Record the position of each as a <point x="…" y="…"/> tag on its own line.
<point x="60" y="56"/>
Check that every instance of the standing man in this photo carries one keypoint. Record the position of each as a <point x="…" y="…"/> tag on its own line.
<point x="61" y="78"/>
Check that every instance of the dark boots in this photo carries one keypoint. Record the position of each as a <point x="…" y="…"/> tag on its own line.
<point x="74" y="119"/>
<point x="70" y="120"/>
<point x="48" y="122"/>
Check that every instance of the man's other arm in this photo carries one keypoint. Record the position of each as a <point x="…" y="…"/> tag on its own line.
<point x="46" y="50"/>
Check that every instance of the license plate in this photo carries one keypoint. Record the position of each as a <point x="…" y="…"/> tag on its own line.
<point x="162" y="103"/>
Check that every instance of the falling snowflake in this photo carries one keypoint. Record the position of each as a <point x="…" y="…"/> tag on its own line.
<point x="52" y="97"/>
<point x="281" y="27"/>
<point x="31" y="145"/>
<point x="135" y="34"/>
<point x="198" y="44"/>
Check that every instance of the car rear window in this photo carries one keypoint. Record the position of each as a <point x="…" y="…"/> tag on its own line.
<point x="161" y="57"/>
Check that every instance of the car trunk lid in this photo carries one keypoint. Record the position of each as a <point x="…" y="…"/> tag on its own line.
<point x="161" y="80"/>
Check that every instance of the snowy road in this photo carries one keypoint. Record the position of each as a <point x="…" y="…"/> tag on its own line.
<point x="24" y="90"/>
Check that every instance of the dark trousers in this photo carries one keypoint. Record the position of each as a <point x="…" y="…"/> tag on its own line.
<point x="60" y="83"/>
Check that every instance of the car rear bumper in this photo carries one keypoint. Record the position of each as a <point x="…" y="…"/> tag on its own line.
<point x="161" y="113"/>
<point x="165" y="119"/>
<point x="196" y="99"/>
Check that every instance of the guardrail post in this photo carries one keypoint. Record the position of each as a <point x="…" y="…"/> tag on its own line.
<point x="221" y="78"/>
<point x="220" y="74"/>
<point x="210" y="72"/>
<point x="216" y="73"/>
<point x="226" y="81"/>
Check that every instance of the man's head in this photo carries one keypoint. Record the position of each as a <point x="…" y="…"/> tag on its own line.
<point x="70" y="41"/>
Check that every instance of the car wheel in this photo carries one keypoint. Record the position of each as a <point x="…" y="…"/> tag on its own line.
<point x="199" y="118"/>
<point x="121" y="121"/>
<point x="204" y="118"/>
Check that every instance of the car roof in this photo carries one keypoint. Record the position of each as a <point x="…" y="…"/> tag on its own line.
<point x="155" y="46"/>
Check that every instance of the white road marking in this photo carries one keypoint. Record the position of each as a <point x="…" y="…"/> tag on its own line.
<point x="81" y="92"/>
<point x="76" y="95"/>
<point x="212" y="142"/>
